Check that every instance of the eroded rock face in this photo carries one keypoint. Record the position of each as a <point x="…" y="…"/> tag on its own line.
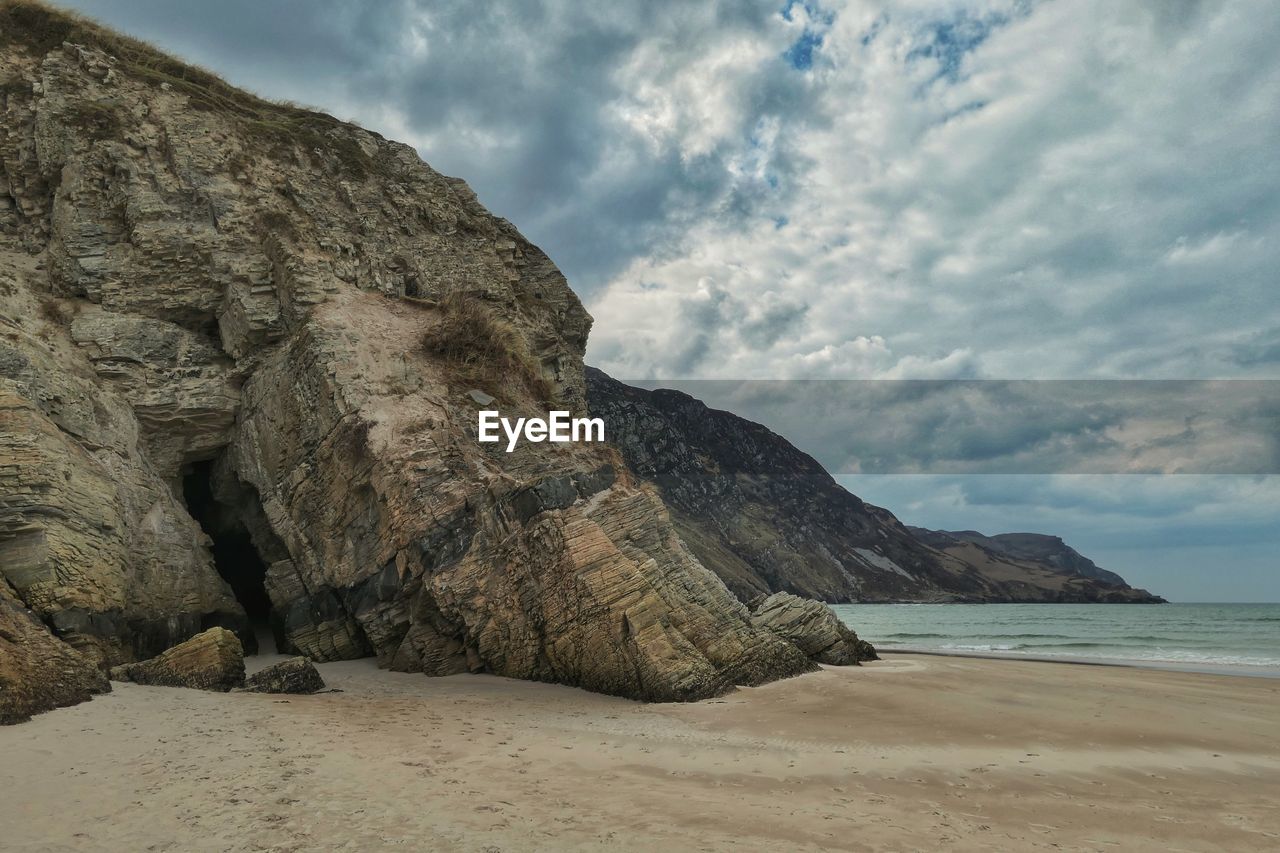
<point x="37" y="672"/>
<point x="92" y="536"/>
<point x="295" y="675"/>
<point x="813" y="627"/>
<point x="196" y="276"/>
<point x="211" y="660"/>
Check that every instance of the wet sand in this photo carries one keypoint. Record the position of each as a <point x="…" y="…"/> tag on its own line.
<point x="915" y="752"/>
<point x="1248" y="671"/>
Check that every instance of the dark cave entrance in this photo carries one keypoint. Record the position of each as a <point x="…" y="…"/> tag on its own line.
<point x="234" y="554"/>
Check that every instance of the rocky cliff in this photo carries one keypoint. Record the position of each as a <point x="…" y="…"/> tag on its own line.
<point x="767" y="517"/>
<point x="1036" y="551"/>
<point x="241" y="345"/>
<point x="36" y="671"/>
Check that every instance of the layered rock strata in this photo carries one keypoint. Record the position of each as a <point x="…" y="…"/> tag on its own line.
<point x="295" y="675"/>
<point x="813" y="627"/>
<point x="37" y="672"/>
<point x="197" y="285"/>
<point x="211" y="660"/>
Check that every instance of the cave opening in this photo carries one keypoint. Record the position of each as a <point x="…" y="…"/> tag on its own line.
<point x="234" y="554"/>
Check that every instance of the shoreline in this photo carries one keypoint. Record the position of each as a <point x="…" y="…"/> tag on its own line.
<point x="1186" y="668"/>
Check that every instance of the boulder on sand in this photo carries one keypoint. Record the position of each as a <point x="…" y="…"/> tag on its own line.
<point x="295" y="675"/>
<point x="213" y="660"/>
<point x="813" y="626"/>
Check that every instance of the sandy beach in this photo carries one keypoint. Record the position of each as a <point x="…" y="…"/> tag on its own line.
<point x="915" y="752"/>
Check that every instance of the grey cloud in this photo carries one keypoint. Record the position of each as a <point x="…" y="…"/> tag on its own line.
<point x="296" y="49"/>
<point x="1068" y="190"/>
<point x="1041" y="230"/>
<point x="772" y="322"/>
<point x="1021" y="427"/>
<point x="1261" y="349"/>
<point x="958" y="200"/>
<point x="520" y="99"/>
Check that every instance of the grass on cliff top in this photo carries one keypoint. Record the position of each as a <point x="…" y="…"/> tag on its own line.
<point x="481" y="349"/>
<point x="40" y="29"/>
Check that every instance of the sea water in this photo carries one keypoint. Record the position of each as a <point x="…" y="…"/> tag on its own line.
<point x="1203" y="637"/>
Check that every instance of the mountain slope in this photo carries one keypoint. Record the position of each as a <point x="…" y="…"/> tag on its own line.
<point x="767" y="517"/>
<point x="1049" y="551"/>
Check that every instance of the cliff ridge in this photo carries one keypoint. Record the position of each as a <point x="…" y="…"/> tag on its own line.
<point x="225" y="402"/>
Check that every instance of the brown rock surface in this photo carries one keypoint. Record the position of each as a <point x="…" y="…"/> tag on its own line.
<point x="813" y="627"/>
<point x="211" y="660"/>
<point x="38" y="673"/>
<point x="205" y="284"/>
<point x="295" y="675"/>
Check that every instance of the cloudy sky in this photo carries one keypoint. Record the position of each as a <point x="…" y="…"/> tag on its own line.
<point x="923" y="189"/>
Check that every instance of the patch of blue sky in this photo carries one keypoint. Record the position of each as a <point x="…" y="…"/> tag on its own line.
<point x="947" y="42"/>
<point x="800" y="54"/>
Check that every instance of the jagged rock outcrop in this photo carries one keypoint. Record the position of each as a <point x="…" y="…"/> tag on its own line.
<point x="295" y="675"/>
<point x="211" y="660"/>
<point x="203" y="293"/>
<point x="813" y="627"/>
<point x="37" y="672"/>
<point x="768" y="518"/>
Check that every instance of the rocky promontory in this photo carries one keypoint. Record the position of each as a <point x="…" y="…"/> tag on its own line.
<point x="239" y="345"/>
<point x="768" y="518"/>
